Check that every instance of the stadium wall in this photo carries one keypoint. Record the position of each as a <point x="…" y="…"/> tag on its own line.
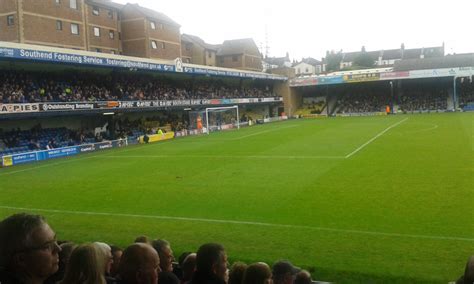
<point x="23" y="158"/>
<point x="292" y="97"/>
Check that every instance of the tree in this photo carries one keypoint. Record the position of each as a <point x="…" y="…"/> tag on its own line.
<point x="364" y="60"/>
<point x="333" y="60"/>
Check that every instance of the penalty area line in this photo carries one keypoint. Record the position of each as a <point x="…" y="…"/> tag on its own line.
<point x="261" y="224"/>
<point x="375" y="137"/>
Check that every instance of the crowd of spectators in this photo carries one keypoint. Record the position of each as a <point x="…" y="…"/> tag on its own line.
<point x="31" y="253"/>
<point x="39" y="138"/>
<point x="466" y="93"/>
<point x="362" y="102"/>
<point x="419" y="100"/>
<point x="412" y="99"/>
<point x="31" y="87"/>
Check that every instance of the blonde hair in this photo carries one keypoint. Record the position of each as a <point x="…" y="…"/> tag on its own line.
<point x="104" y="253"/>
<point x="83" y="266"/>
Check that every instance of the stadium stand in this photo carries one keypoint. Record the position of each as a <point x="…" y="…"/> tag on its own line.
<point x="423" y="101"/>
<point x="362" y="98"/>
<point x="29" y="87"/>
<point x="362" y="102"/>
<point x="15" y="141"/>
<point x="310" y="108"/>
<point x="466" y="96"/>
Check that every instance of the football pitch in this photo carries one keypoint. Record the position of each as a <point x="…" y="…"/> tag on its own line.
<point x="362" y="199"/>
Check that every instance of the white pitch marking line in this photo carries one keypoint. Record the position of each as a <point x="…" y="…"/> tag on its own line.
<point x="373" y="233"/>
<point x="224" y="156"/>
<point x="375" y="137"/>
<point x="433" y="127"/>
<point x="262" y="132"/>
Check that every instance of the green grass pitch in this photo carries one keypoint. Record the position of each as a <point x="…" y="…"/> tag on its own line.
<point x="361" y="199"/>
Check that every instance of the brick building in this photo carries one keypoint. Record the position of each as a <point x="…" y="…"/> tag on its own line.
<point x="150" y="34"/>
<point x="105" y="26"/>
<point x="197" y="51"/>
<point x="79" y="24"/>
<point x="240" y="54"/>
<point x="93" y="25"/>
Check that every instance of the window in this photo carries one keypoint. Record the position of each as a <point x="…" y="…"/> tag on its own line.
<point x="73" y="4"/>
<point x="153" y="44"/>
<point x="209" y="55"/>
<point x="98" y="50"/>
<point x="234" y="58"/>
<point x="306" y="70"/>
<point x="112" y="52"/>
<point x="163" y="45"/>
<point x="111" y="34"/>
<point x="188" y="47"/>
<point x="96" y="31"/>
<point x="57" y="2"/>
<point x="95" y="10"/>
<point x="75" y="29"/>
<point x="152" y="25"/>
<point x="110" y="14"/>
<point x="119" y="36"/>
<point x="59" y="25"/>
<point x="10" y="20"/>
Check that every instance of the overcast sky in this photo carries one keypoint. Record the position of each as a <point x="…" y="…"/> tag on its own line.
<point x="306" y="28"/>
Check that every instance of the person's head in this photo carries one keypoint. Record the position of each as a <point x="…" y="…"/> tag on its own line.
<point x="469" y="271"/>
<point x="257" y="273"/>
<point x="236" y="274"/>
<point x="116" y="255"/>
<point x="84" y="266"/>
<point x="65" y="253"/>
<point x="139" y="264"/>
<point x="142" y="239"/>
<point x="211" y="259"/>
<point x="28" y="247"/>
<point x="182" y="257"/>
<point x="284" y="272"/>
<point x="188" y="266"/>
<point x="166" y="254"/>
<point x="303" y="277"/>
<point x="105" y="257"/>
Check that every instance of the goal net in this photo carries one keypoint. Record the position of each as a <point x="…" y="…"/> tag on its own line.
<point x="215" y="119"/>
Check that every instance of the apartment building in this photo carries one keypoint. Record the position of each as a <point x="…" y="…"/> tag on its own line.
<point x="240" y="54"/>
<point x="78" y="24"/>
<point x="195" y="50"/>
<point x="109" y="27"/>
<point x="148" y="33"/>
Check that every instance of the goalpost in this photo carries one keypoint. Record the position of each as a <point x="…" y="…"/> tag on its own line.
<point x="222" y="118"/>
